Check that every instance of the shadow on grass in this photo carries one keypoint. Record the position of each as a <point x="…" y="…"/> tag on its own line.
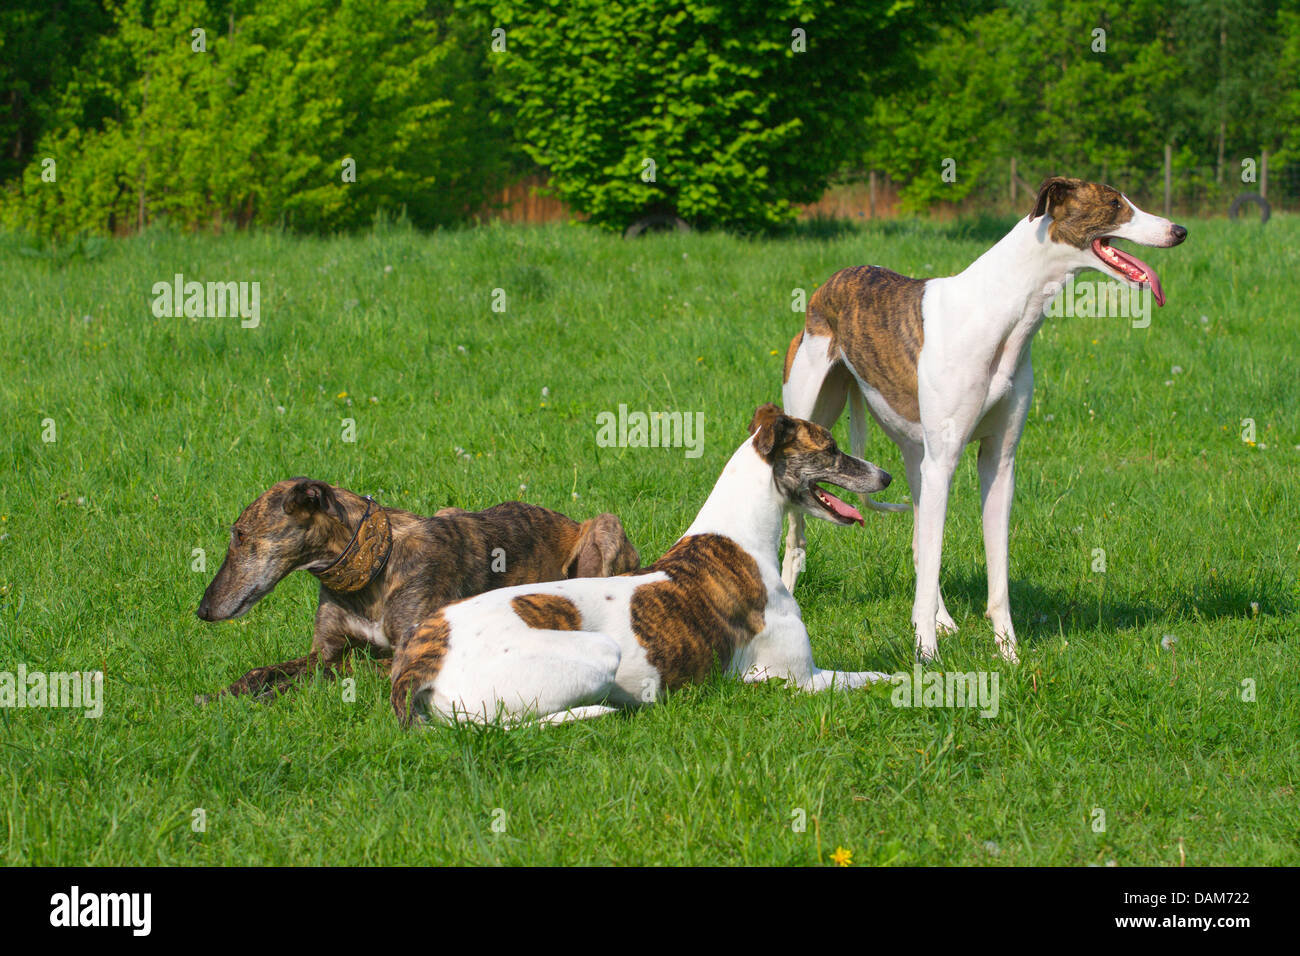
<point x="820" y="229"/>
<point x="1038" y="610"/>
<point x="984" y="228"/>
<point x="1042" y="612"/>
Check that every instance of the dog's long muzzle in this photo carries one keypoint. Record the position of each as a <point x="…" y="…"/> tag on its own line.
<point x="855" y="475"/>
<point x="861" y="476"/>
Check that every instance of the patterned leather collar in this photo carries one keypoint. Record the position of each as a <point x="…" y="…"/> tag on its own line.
<point x="365" y="555"/>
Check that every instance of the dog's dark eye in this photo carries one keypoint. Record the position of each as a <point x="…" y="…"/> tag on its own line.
<point x="1114" y="203"/>
<point x="236" y="537"/>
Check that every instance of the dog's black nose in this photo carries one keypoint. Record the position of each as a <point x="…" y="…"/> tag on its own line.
<point x="885" y="479"/>
<point x="1179" y="234"/>
<point x="202" y="612"/>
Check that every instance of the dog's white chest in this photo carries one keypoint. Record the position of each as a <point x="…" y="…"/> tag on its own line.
<point x="372" y="632"/>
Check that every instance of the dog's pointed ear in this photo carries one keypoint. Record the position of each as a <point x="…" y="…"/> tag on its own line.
<point x="1051" y="194"/>
<point x="770" y="427"/>
<point x="307" y="497"/>
<point x="602" y="549"/>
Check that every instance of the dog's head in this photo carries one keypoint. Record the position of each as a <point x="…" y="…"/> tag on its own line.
<point x="295" y="524"/>
<point x="1088" y="217"/>
<point x="802" y="454"/>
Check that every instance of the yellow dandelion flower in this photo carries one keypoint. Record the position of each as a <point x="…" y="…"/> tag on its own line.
<point x="842" y="857"/>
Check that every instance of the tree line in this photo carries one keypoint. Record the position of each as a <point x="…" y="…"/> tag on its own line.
<point x="319" y="115"/>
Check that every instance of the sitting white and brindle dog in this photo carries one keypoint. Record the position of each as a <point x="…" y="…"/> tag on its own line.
<point x="944" y="362"/>
<point x="575" y="649"/>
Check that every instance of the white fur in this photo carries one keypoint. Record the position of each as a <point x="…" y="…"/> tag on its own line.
<point x="496" y="667"/>
<point x="974" y="384"/>
<point x="372" y="632"/>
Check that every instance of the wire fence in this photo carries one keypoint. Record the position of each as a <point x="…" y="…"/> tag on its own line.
<point x="1006" y="187"/>
<point x="1010" y="187"/>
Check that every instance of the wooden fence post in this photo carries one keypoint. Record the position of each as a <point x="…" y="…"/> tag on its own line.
<point x="1169" y="180"/>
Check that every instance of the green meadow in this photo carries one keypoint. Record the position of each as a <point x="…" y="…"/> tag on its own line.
<point x="1152" y="721"/>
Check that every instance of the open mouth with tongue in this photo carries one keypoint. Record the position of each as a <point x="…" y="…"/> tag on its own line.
<point x="1129" y="267"/>
<point x="841" y="511"/>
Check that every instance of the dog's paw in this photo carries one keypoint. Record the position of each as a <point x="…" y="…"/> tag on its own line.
<point x="927" y="653"/>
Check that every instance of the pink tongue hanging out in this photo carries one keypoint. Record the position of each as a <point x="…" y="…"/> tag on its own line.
<point x="1131" y="266"/>
<point x="841" y="508"/>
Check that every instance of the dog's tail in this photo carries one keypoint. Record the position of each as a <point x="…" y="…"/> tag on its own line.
<point x="858" y="445"/>
<point x="884" y="505"/>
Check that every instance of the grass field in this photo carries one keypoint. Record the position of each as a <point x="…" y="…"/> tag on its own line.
<point x="166" y="428"/>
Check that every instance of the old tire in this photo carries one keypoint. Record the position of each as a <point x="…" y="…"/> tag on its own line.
<point x="656" y="222"/>
<point x="1264" y="209"/>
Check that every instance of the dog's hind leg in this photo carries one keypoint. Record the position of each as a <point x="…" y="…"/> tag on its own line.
<point x="821" y="680"/>
<point x="577" y="713"/>
<point x="816" y="388"/>
<point x="502" y="670"/>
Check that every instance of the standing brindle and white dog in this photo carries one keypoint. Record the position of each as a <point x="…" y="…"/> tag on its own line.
<point x="945" y="362"/>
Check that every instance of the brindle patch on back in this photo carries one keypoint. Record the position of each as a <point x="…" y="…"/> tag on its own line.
<point x="1081" y="211"/>
<point x="874" y="317"/>
<point x="418" y="662"/>
<point x="547" y="612"/>
<point x="711" y="605"/>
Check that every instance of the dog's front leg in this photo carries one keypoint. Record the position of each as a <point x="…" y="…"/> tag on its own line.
<point x="997" y="468"/>
<point x="947" y="419"/>
<point x="278" y="678"/>
<point x="329" y="647"/>
<point x="931" y="513"/>
<point x="997" y="485"/>
<point x="795" y="549"/>
<point x="912" y="457"/>
<point x="783" y="651"/>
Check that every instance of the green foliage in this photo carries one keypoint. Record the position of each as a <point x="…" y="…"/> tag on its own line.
<point x="1288" y="107"/>
<point x="256" y="128"/>
<point x="738" y="125"/>
<point x="40" y="43"/>
<point x="1028" y="80"/>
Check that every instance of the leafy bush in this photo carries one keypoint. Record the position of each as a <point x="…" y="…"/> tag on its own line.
<point x="257" y="126"/>
<point x="738" y="124"/>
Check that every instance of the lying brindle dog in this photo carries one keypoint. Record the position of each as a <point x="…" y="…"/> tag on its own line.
<point x="383" y="571"/>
